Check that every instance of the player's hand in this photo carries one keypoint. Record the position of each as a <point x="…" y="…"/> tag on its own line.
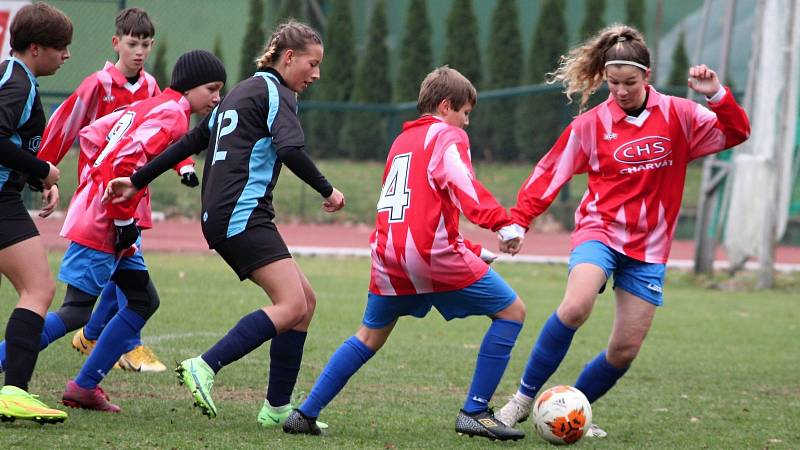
<point x="333" y="202"/>
<point x="49" y="201"/>
<point x="703" y="80"/>
<point x="511" y="246"/>
<point x="119" y="190"/>
<point x="52" y="177"/>
<point x="190" y="179"/>
<point x="126" y="236"/>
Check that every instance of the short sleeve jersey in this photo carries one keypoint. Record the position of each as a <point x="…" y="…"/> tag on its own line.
<point x="255" y="119"/>
<point x="21" y="116"/>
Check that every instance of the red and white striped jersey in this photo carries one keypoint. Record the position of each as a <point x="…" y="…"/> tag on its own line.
<point x="99" y="94"/>
<point x="427" y="182"/>
<point x="120" y="143"/>
<point x="636" y="169"/>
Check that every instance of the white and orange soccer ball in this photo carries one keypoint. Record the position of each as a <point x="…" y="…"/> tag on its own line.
<point x="562" y="415"/>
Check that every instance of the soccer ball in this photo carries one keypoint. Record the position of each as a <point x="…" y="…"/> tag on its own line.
<point x="562" y="414"/>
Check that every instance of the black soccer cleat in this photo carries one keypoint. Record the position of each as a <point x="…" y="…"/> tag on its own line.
<point x="297" y="423"/>
<point x="486" y="425"/>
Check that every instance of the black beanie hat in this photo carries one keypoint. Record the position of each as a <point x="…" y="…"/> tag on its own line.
<point x="196" y="68"/>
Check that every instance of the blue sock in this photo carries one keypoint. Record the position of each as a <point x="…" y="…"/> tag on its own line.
<point x="547" y="354"/>
<point x="122" y="302"/>
<point x="110" y="346"/>
<point x="285" y="356"/>
<point x="493" y="357"/>
<point x="346" y="361"/>
<point x="598" y="377"/>
<point x="52" y="331"/>
<point x="104" y="311"/>
<point x="252" y="330"/>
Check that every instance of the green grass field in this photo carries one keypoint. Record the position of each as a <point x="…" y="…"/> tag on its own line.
<point x="718" y="371"/>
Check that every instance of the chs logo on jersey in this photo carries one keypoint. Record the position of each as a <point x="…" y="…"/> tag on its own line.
<point x="643" y="150"/>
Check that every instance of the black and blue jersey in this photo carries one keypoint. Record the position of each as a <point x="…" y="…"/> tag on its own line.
<point x="22" y="122"/>
<point x="256" y="118"/>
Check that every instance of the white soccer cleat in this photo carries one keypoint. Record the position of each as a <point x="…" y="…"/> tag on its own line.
<point x="595" y="432"/>
<point x="515" y="411"/>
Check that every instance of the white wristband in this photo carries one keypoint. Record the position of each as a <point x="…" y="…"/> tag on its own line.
<point x="716" y="98"/>
<point x="186" y="169"/>
<point x="123" y="222"/>
<point x="510" y="232"/>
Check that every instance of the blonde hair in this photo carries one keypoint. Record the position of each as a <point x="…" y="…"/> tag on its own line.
<point x="445" y="83"/>
<point x="292" y="35"/>
<point x="583" y="69"/>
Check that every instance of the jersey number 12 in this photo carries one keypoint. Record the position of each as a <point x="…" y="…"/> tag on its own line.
<point x="395" y="194"/>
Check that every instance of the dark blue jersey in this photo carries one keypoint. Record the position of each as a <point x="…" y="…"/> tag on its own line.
<point x="245" y="132"/>
<point x="21" y="117"/>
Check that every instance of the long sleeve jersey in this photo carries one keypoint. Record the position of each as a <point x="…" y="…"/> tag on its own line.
<point x="636" y="169"/>
<point x="120" y="143"/>
<point x="428" y="182"/>
<point x="100" y="94"/>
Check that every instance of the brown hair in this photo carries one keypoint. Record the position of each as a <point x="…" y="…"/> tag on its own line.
<point x="134" y="22"/>
<point x="445" y="83"/>
<point x="41" y="24"/>
<point x="583" y="69"/>
<point x="291" y="34"/>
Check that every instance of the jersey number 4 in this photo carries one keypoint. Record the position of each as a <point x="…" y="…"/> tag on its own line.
<point x="395" y="194"/>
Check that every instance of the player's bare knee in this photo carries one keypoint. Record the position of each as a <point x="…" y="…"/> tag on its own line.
<point x="622" y="355"/>
<point x="574" y="313"/>
<point x="515" y="311"/>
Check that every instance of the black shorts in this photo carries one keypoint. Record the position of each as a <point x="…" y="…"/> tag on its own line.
<point x="253" y="248"/>
<point x="16" y="224"/>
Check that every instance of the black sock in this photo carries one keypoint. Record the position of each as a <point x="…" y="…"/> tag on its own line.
<point x="252" y="330"/>
<point x="285" y="355"/>
<point x="23" y="333"/>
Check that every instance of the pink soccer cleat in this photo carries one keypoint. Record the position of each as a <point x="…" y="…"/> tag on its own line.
<point x="78" y="397"/>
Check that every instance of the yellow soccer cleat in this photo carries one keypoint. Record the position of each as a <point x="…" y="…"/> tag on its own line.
<point x="141" y="359"/>
<point x="85" y="346"/>
<point x="18" y="404"/>
<point x="81" y="344"/>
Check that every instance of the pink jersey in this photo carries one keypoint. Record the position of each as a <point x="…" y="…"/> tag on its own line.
<point x="636" y="169"/>
<point x="428" y="181"/>
<point x="120" y="143"/>
<point x="98" y="95"/>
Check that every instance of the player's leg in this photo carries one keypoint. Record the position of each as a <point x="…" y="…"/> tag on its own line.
<point x="105" y="309"/>
<point x="638" y="290"/>
<point x="490" y="296"/>
<point x="24" y="264"/>
<point x="143" y="301"/>
<point x="591" y="263"/>
<point x="285" y="357"/>
<point x="81" y="269"/>
<point x="380" y="317"/>
<point x="137" y="356"/>
<point x="281" y="282"/>
<point x="344" y="363"/>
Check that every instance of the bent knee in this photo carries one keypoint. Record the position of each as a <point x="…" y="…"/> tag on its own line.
<point x="574" y="312"/>
<point x="622" y="355"/>
<point x="516" y="311"/>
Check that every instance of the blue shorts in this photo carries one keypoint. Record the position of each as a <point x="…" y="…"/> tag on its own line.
<point x="90" y="270"/>
<point x="487" y="296"/>
<point x="644" y="280"/>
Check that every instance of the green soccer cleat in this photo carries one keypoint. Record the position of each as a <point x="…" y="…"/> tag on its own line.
<point x="18" y="404"/>
<point x="271" y="417"/>
<point x="199" y="378"/>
